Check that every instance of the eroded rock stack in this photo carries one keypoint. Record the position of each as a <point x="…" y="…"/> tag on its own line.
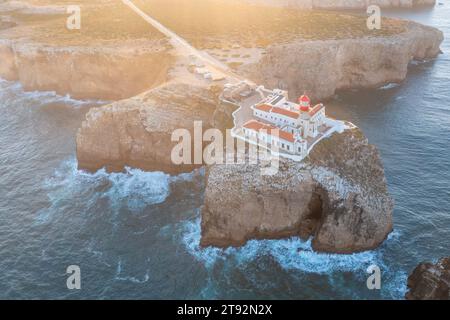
<point x="430" y="281"/>
<point x="338" y="196"/>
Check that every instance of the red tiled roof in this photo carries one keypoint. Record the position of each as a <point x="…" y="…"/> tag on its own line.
<point x="263" y="107"/>
<point x="282" y="111"/>
<point x="286" y="136"/>
<point x="316" y="109"/>
<point x="288" y="113"/>
<point x="257" y="126"/>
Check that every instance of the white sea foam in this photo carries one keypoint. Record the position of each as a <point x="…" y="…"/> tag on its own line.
<point x="132" y="279"/>
<point x="292" y="253"/>
<point x="388" y="86"/>
<point x="296" y="255"/>
<point x="138" y="188"/>
<point x="134" y="188"/>
<point x="419" y="62"/>
<point x="44" y="97"/>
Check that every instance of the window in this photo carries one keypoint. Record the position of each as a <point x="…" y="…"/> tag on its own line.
<point x="287" y="147"/>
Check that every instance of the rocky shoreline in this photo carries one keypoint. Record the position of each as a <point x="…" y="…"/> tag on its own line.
<point x="338" y="196"/>
<point x="113" y="70"/>
<point x="86" y="72"/>
<point x="106" y="59"/>
<point x="136" y="132"/>
<point x="323" y="66"/>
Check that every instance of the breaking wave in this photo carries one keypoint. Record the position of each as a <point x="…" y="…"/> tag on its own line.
<point x="132" y="189"/>
<point x="388" y="86"/>
<point x="14" y="90"/>
<point x="296" y="255"/>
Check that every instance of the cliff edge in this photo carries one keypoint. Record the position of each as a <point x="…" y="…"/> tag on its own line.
<point x="137" y="132"/>
<point x="321" y="67"/>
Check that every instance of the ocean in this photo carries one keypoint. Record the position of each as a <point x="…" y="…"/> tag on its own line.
<point x="135" y="235"/>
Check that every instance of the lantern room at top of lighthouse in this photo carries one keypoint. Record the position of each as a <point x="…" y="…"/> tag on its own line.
<point x="304" y="102"/>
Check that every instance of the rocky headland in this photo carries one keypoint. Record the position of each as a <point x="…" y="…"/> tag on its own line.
<point x="137" y="132"/>
<point x="321" y="67"/>
<point x="430" y="281"/>
<point x="337" y="196"/>
<point x="85" y="72"/>
<point x="318" y="67"/>
<point x="109" y="58"/>
<point x="114" y="56"/>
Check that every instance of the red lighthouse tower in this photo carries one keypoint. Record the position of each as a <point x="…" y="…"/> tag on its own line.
<point x="304" y="102"/>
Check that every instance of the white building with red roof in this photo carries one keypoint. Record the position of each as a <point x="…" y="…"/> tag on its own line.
<point x="268" y="119"/>
<point x="271" y="135"/>
<point x="291" y="117"/>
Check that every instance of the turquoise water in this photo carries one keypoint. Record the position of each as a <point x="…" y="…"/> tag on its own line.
<point x="136" y="234"/>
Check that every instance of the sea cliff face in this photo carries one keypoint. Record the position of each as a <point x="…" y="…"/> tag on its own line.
<point x="338" y="196"/>
<point x="322" y="67"/>
<point x="342" y="4"/>
<point x="137" y="132"/>
<point x="85" y="72"/>
<point x="430" y="281"/>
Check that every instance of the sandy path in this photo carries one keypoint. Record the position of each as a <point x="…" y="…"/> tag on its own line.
<point x="184" y="48"/>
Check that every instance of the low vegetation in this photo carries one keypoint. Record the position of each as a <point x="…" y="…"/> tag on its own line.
<point x="207" y="24"/>
<point x="107" y="21"/>
<point x="213" y="24"/>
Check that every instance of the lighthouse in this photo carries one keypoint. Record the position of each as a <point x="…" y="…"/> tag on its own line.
<point x="304" y="103"/>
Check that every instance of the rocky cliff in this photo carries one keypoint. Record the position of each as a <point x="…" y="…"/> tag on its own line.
<point x="430" y="281"/>
<point x="105" y="73"/>
<point x="342" y="4"/>
<point x="338" y="197"/>
<point x="137" y="132"/>
<point x="113" y="55"/>
<point x="322" y="67"/>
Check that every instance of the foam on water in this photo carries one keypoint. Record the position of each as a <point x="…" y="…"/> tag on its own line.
<point x="291" y="253"/>
<point x="42" y="97"/>
<point x="388" y="86"/>
<point x="134" y="188"/>
<point x="132" y="279"/>
<point x="296" y="255"/>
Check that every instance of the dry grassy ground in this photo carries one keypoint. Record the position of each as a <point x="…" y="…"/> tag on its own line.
<point x="100" y="21"/>
<point x="210" y="24"/>
<point x="207" y="24"/>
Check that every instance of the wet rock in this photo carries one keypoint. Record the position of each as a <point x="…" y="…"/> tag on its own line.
<point x="430" y="281"/>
